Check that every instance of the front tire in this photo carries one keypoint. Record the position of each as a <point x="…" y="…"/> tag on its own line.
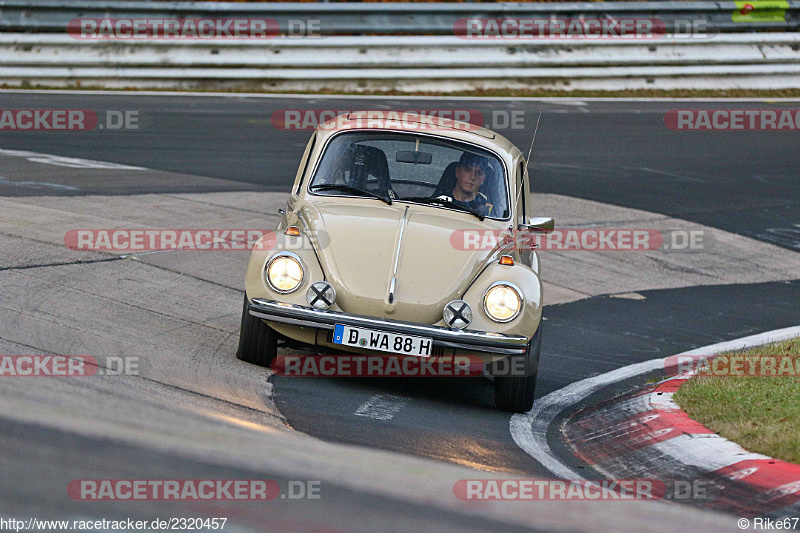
<point x="258" y="343"/>
<point x="516" y="393"/>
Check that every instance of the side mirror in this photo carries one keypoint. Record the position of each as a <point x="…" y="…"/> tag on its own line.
<point x="539" y="224"/>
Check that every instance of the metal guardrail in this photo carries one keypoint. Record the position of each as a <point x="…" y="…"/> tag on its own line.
<point x="358" y="48"/>
<point x="433" y="63"/>
<point x="392" y="53"/>
<point x="52" y="16"/>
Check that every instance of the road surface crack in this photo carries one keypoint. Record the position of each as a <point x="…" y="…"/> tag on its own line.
<point x="65" y="263"/>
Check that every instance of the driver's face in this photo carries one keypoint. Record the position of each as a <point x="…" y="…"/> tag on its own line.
<point x="469" y="178"/>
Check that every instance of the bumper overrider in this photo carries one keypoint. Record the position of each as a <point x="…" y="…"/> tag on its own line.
<point x="478" y="341"/>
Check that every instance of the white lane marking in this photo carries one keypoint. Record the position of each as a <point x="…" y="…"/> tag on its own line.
<point x="783" y="236"/>
<point x="629" y="296"/>
<point x="61" y="161"/>
<point x="529" y="430"/>
<point x="381" y="406"/>
<point x="36" y="184"/>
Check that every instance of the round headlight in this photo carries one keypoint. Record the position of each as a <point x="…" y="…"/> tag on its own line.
<point x="284" y="273"/>
<point x="502" y="301"/>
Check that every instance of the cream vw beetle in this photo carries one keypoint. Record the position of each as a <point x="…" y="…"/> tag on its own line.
<point x="384" y="237"/>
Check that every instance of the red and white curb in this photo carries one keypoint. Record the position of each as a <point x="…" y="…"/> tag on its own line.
<point x="645" y="434"/>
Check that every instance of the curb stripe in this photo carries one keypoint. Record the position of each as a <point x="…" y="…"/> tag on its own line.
<point x="687" y="444"/>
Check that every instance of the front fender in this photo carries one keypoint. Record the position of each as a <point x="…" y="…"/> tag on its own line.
<point x="527" y="322"/>
<point x="269" y="245"/>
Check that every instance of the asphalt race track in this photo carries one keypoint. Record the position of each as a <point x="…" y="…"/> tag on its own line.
<point x="584" y="338"/>
<point x="614" y="152"/>
<point x="197" y="412"/>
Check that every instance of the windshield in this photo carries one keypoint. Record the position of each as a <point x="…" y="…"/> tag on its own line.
<point x="417" y="168"/>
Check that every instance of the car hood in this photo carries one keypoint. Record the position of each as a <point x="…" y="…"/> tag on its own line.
<point x="358" y="254"/>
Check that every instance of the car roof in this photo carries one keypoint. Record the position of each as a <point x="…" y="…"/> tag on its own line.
<point x="410" y="122"/>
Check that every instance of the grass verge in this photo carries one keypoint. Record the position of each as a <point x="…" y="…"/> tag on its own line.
<point x="762" y="414"/>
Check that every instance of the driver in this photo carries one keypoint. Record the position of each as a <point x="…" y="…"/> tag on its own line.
<point x="471" y="171"/>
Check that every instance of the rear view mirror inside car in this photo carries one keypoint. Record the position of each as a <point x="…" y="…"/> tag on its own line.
<point x="418" y="158"/>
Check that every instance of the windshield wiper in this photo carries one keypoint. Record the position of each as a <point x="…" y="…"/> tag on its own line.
<point x="443" y="201"/>
<point x="349" y="188"/>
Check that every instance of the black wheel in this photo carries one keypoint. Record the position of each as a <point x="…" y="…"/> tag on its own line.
<point x="258" y="343"/>
<point x="515" y="392"/>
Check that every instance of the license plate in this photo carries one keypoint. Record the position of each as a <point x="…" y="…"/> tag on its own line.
<point x="382" y="341"/>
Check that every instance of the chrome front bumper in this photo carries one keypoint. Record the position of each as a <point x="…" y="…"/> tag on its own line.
<point x="478" y="341"/>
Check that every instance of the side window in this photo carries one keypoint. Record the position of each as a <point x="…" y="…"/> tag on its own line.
<point x="309" y="149"/>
